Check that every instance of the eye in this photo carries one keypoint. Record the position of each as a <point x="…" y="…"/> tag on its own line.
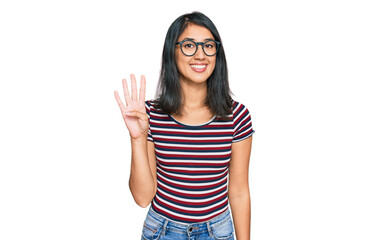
<point x="188" y="45"/>
<point x="210" y="45"/>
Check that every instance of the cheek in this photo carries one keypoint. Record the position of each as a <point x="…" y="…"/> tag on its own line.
<point x="181" y="67"/>
<point x="213" y="66"/>
<point x="180" y="61"/>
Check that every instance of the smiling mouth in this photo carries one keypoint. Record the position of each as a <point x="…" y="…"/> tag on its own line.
<point x="199" y="67"/>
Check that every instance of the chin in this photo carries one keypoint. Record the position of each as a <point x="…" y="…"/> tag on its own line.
<point x="199" y="78"/>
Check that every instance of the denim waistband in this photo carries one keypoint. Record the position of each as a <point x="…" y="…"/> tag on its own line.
<point x="182" y="227"/>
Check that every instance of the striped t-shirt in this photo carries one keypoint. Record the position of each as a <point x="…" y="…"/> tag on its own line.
<point x="193" y="163"/>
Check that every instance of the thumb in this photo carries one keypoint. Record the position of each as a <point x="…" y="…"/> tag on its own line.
<point x="140" y="115"/>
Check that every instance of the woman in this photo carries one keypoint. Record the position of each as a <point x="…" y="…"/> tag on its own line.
<point x="191" y="146"/>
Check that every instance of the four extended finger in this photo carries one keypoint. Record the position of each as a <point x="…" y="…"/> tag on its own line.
<point x="126" y="92"/>
<point x="142" y="91"/>
<point x="120" y="103"/>
<point x="133" y="87"/>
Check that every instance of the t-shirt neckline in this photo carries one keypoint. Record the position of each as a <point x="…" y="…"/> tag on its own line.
<point x="188" y="125"/>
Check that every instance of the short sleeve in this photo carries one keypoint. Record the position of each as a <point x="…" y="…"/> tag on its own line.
<point x="148" y="111"/>
<point x="242" y="123"/>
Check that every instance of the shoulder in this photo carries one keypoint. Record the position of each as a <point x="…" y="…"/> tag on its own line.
<point x="151" y="107"/>
<point x="239" y="108"/>
<point x="149" y="103"/>
<point x="242" y="122"/>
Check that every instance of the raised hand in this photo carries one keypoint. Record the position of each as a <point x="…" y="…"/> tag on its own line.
<point x="134" y="110"/>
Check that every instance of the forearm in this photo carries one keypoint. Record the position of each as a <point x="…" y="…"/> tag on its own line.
<point x="141" y="181"/>
<point x="241" y="212"/>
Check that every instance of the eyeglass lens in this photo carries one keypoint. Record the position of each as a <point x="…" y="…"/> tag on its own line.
<point x="189" y="48"/>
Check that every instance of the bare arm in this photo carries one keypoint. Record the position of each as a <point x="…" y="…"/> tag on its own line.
<point x="142" y="180"/>
<point x="238" y="190"/>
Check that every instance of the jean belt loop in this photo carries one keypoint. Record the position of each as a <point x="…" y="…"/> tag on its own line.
<point x="209" y="229"/>
<point x="165" y="227"/>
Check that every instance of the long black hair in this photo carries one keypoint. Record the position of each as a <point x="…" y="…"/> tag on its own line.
<point x="169" y="92"/>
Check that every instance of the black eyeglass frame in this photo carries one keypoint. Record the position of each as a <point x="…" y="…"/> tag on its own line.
<point x="200" y="43"/>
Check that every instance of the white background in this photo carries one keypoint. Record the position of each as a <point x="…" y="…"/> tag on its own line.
<point x="303" y="69"/>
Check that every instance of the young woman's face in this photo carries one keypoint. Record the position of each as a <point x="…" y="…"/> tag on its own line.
<point x="199" y="67"/>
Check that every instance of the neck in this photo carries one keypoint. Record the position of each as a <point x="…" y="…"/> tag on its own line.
<point x="193" y="95"/>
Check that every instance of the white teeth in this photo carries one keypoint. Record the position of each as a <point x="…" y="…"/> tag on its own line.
<point x="198" y="66"/>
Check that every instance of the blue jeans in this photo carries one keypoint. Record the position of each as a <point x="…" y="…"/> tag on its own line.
<point x="157" y="227"/>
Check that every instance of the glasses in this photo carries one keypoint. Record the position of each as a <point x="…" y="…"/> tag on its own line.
<point x="189" y="47"/>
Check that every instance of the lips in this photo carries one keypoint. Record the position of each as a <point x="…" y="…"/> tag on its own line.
<point x="199" y="67"/>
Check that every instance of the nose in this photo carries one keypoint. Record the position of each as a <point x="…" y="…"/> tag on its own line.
<point x="199" y="53"/>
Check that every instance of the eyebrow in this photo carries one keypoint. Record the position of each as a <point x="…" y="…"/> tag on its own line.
<point x="207" y="39"/>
